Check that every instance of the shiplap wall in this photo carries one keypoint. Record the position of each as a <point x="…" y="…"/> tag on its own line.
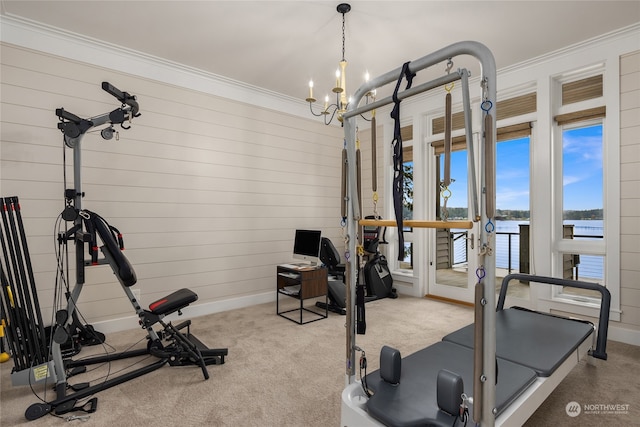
<point x="630" y="190"/>
<point x="207" y="191"/>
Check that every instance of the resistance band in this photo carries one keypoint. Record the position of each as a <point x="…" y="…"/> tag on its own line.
<point x="359" y="177"/>
<point x="361" y="319"/>
<point x="398" y="176"/>
<point x="374" y="166"/>
<point x="470" y="150"/>
<point x="343" y="195"/>
<point x="447" y="139"/>
<point x="489" y="158"/>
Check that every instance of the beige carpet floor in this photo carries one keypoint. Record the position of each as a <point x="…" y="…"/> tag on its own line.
<point x="279" y="373"/>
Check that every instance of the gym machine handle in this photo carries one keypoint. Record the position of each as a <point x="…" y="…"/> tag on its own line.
<point x="123" y="97"/>
<point x="65" y="115"/>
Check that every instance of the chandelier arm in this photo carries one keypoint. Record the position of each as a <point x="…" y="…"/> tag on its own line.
<point x="335" y="109"/>
<point x="311" y="109"/>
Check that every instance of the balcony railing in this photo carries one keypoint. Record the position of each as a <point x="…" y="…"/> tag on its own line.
<point x="507" y="252"/>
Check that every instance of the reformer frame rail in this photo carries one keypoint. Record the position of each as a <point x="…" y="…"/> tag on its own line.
<point x="486" y="378"/>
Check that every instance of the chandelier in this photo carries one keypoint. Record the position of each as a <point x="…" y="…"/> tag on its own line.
<point x="337" y="109"/>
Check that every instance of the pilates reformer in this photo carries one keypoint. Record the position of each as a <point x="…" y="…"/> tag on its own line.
<point x="172" y="345"/>
<point x="497" y="370"/>
<point x="534" y="353"/>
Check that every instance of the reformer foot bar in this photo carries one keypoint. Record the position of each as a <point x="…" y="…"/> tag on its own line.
<point x="417" y="223"/>
<point x="171" y="344"/>
<point x="534" y="353"/>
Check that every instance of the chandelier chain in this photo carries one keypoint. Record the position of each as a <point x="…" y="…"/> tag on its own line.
<point x="343" y="27"/>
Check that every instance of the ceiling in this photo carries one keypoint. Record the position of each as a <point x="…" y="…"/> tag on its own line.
<point x="280" y="45"/>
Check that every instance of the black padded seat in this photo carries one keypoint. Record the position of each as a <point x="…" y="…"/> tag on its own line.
<point x="173" y="302"/>
<point x="413" y="402"/>
<point x="539" y="341"/>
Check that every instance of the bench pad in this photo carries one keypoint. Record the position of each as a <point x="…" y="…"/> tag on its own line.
<point x="173" y="302"/>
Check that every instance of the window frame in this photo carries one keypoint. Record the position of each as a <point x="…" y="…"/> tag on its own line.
<point x="554" y="299"/>
<point x="572" y="246"/>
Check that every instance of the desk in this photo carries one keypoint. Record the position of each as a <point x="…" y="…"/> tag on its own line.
<point x="301" y="284"/>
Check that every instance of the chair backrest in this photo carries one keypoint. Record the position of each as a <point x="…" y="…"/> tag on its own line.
<point x="371" y="236"/>
<point x="329" y="255"/>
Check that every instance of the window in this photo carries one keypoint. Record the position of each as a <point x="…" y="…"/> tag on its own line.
<point x="583" y="205"/>
<point x="581" y="247"/>
<point x="582" y="180"/>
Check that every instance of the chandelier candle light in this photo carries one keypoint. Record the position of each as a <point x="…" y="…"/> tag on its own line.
<point x="340" y="89"/>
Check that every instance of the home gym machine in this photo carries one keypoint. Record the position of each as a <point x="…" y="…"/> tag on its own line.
<point x="169" y="345"/>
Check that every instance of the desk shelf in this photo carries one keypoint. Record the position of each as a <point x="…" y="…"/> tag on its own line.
<point x="310" y="282"/>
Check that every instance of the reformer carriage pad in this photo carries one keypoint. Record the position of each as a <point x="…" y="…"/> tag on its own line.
<point x="540" y="341"/>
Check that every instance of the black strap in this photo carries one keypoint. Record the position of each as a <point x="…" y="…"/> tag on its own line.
<point x="398" y="176"/>
<point x="361" y="319"/>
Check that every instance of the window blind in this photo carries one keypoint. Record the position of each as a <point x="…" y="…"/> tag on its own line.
<point x="512" y="107"/>
<point x="406" y="133"/>
<point x="582" y="90"/>
<point x="578" y="116"/>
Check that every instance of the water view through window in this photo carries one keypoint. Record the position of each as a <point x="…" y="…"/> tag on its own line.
<point x="582" y="204"/>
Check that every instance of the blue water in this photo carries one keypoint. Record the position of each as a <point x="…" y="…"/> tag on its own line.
<point x="507" y="233"/>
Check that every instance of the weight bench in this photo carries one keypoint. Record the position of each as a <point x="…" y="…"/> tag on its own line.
<point x="534" y="353"/>
<point x="171" y="344"/>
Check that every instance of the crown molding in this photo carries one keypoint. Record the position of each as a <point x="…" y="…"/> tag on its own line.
<point x="37" y="36"/>
<point x="51" y="40"/>
<point x="631" y="33"/>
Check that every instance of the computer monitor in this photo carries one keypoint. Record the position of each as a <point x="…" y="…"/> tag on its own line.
<point x="306" y="245"/>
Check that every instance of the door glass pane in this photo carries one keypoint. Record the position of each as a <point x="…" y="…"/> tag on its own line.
<point x="451" y="244"/>
<point x="512" y="213"/>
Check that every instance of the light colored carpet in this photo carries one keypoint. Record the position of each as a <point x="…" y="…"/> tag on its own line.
<point x="278" y="373"/>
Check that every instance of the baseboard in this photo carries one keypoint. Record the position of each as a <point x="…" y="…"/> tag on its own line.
<point x="627" y="336"/>
<point x="198" y="310"/>
<point x="449" y="300"/>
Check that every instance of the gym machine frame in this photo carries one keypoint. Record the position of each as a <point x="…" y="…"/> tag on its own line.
<point x="484" y="354"/>
<point x="184" y="348"/>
